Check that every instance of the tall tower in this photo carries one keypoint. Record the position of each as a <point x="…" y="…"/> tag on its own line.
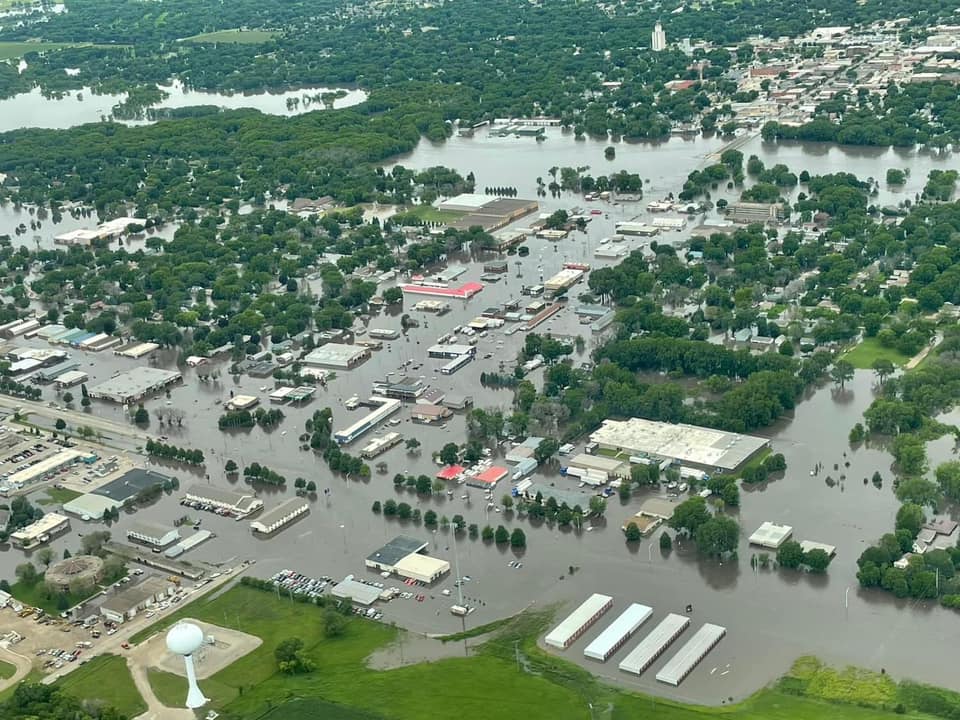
<point x="185" y="639"/>
<point x="658" y="38"/>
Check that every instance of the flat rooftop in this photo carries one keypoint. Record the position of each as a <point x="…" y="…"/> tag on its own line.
<point x="288" y="506"/>
<point x="771" y="535"/>
<point x="686" y="443"/>
<point x="134" y="383"/>
<point x="396" y="550"/>
<point x="130" y="483"/>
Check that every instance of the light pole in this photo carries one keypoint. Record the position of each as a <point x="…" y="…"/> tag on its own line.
<point x="343" y="529"/>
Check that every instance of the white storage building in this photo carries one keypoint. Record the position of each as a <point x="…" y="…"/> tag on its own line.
<point x="283" y="514"/>
<point x="577" y="622"/>
<point x="153" y="534"/>
<point x="654" y="644"/>
<point x="618" y="632"/>
<point x="687" y="657"/>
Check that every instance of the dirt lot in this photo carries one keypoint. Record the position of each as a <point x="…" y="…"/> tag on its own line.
<point x="228" y="646"/>
<point x="37" y="636"/>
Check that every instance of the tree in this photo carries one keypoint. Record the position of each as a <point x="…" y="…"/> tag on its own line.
<point x="334" y="624"/>
<point x="450" y="454"/>
<point x="300" y="483"/>
<point x="910" y="518"/>
<point x="598" y="506"/>
<point x="473" y="531"/>
<point x="948" y="477"/>
<point x="430" y="518"/>
<point x="501" y="535"/>
<point x="507" y="501"/>
<point x="918" y="491"/>
<point x="665" y="542"/>
<point x="45" y="556"/>
<point x="790" y="555"/>
<point x="690" y="515"/>
<point x="290" y="658"/>
<point x="92" y="543"/>
<point x="68" y="397"/>
<point x="230" y="467"/>
<point x="60" y="424"/>
<point x="85" y="401"/>
<point x="311" y="486"/>
<point x="632" y="533"/>
<point x="841" y="373"/>
<point x="412" y="445"/>
<point x="545" y="450"/>
<point x="817" y="560"/>
<point x="730" y="494"/>
<point x="487" y="533"/>
<point x="518" y="539"/>
<point x="624" y="491"/>
<point x="27" y="574"/>
<point x="424" y="485"/>
<point x="141" y="416"/>
<point x="717" y="536"/>
<point x="376" y="507"/>
<point x="883" y="368"/>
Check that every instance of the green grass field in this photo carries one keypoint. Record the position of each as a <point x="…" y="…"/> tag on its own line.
<point x="107" y="679"/>
<point x="239" y="37"/>
<point x="58" y="496"/>
<point x="486" y="686"/>
<point x="428" y="213"/>
<point x="863" y="355"/>
<point x="7" y="670"/>
<point x="35" y="596"/>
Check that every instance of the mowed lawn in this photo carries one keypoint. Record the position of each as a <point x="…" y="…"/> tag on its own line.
<point x="239" y="37"/>
<point x="10" y="50"/>
<point x="483" y="687"/>
<point x="864" y="354"/>
<point x="107" y="679"/>
<point x="7" y="670"/>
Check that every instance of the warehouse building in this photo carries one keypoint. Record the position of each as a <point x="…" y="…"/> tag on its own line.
<point x="380" y="445"/>
<point x="127" y="603"/>
<point x="450" y="352"/>
<point x="53" y="372"/>
<point x="579" y="621"/>
<point x="238" y="503"/>
<point x="136" y="350"/>
<point x="40" y="471"/>
<point x="69" y="379"/>
<point x="618" y="632"/>
<point x="153" y="534"/>
<point x="608" y="467"/>
<point x="90" y="506"/>
<point x="200" y="536"/>
<point x="357" y="592"/>
<point x="337" y="356"/>
<point x="687" y="657"/>
<point x="429" y="414"/>
<point x="134" y="385"/>
<point x="279" y="517"/>
<point x="406" y="388"/>
<point x="693" y="446"/>
<point x="563" y="280"/>
<point x="404" y="556"/>
<point x="770" y="535"/>
<point x="654" y="644"/>
<point x="41" y="531"/>
<point x="385" y="407"/>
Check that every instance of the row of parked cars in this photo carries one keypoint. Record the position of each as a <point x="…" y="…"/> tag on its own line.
<point x="301" y="584"/>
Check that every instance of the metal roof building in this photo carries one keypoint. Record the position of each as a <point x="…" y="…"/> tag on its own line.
<point x="153" y="534"/>
<point x="337" y="356"/>
<point x="618" y="632"/>
<point x="241" y="503"/>
<point x="135" y="384"/>
<point x="687" y="657"/>
<point x="356" y="591"/>
<point x="577" y="622"/>
<point x="387" y="557"/>
<point x="770" y="535"/>
<point x="280" y="516"/>
<point x="654" y="644"/>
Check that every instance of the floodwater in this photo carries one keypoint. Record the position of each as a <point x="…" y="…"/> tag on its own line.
<point x="32" y="109"/>
<point x="771" y="616"/>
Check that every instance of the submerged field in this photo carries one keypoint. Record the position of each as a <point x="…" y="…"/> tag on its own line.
<point x="494" y="683"/>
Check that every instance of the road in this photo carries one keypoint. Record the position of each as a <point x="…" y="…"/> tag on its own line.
<point x="22" y="663"/>
<point x="74" y="418"/>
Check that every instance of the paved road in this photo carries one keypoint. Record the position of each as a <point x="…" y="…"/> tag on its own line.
<point x="74" y="418"/>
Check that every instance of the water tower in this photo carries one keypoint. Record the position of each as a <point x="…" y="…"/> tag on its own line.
<point x="185" y="639"/>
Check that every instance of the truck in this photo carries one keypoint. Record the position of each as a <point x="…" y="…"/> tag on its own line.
<point x="84" y="644"/>
<point x="459" y="610"/>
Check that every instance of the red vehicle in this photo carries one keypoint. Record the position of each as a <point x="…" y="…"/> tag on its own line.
<point x="125" y="646"/>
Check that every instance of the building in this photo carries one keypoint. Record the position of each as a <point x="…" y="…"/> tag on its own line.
<point x="385" y="407"/>
<point x="153" y="534"/>
<point x="238" y="503"/>
<point x="746" y="213"/>
<point x="380" y="445"/>
<point x="108" y="230"/>
<point x="46" y="467"/>
<point x="128" y="602"/>
<point x="654" y="644"/>
<point x="429" y="414"/>
<point x="669" y="223"/>
<point x="687" y="657"/>
<point x="638" y="229"/>
<point x="450" y="352"/>
<point x="618" y="632"/>
<point x="608" y="467"/>
<point x="406" y="388"/>
<point x="404" y="556"/>
<point x="200" y="536"/>
<point x="136" y="350"/>
<point x="84" y="570"/>
<point x="579" y="621"/>
<point x="382" y="334"/>
<point x="563" y="280"/>
<point x="280" y="516"/>
<point x="337" y="356"/>
<point x="43" y="530"/>
<point x="242" y="402"/>
<point x="53" y="372"/>
<point x="488" y="478"/>
<point x="90" y="506"/>
<point x="693" y="446"/>
<point x="357" y="592"/>
<point x="770" y="535"/>
<point x="658" y="38"/>
<point x="70" y="378"/>
<point x="134" y="385"/>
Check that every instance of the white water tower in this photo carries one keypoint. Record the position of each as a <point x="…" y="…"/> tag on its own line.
<point x="185" y="639"/>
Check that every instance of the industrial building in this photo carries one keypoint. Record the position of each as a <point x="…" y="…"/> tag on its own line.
<point x="429" y="414"/>
<point x="403" y="556"/>
<point x="654" y="644"/>
<point x="450" y="351"/>
<point x="607" y="467"/>
<point x="51" y="373"/>
<point x="770" y="535"/>
<point x="698" y="447"/>
<point x="90" y="506"/>
<point x="337" y="356"/>
<point x="45" y="467"/>
<point x="380" y="445"/>
<point x="280" y="516"/>
<point x="385" y="408"/>
<point x="357" y="592"/>
<point x="669" y="223"/>
<point x="238" y="503"/>
<point x="41" y="531"/>
<point x="563" y="280"/>
<point x="747" y="212"/>
<point x="487" y="478"/>
<point x="687" y="657"/>
<point x="70" y="378"/>
<point x="136" y="350"/>
<point x="131" y="483"/>
<point x="104" y="231"/>
<point x="579" y="621"/>
<point x="618" y="632"/>
<point x="153" y="534"/>
<point x="406" y="388"/>
<point x="490" y="213"/>
<point x="186" y="544"/>
<point x="127" y="603"/>
<point x="134" y="385"/>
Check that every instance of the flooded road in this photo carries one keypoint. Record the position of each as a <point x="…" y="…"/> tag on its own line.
<point x="771" y="616"/>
